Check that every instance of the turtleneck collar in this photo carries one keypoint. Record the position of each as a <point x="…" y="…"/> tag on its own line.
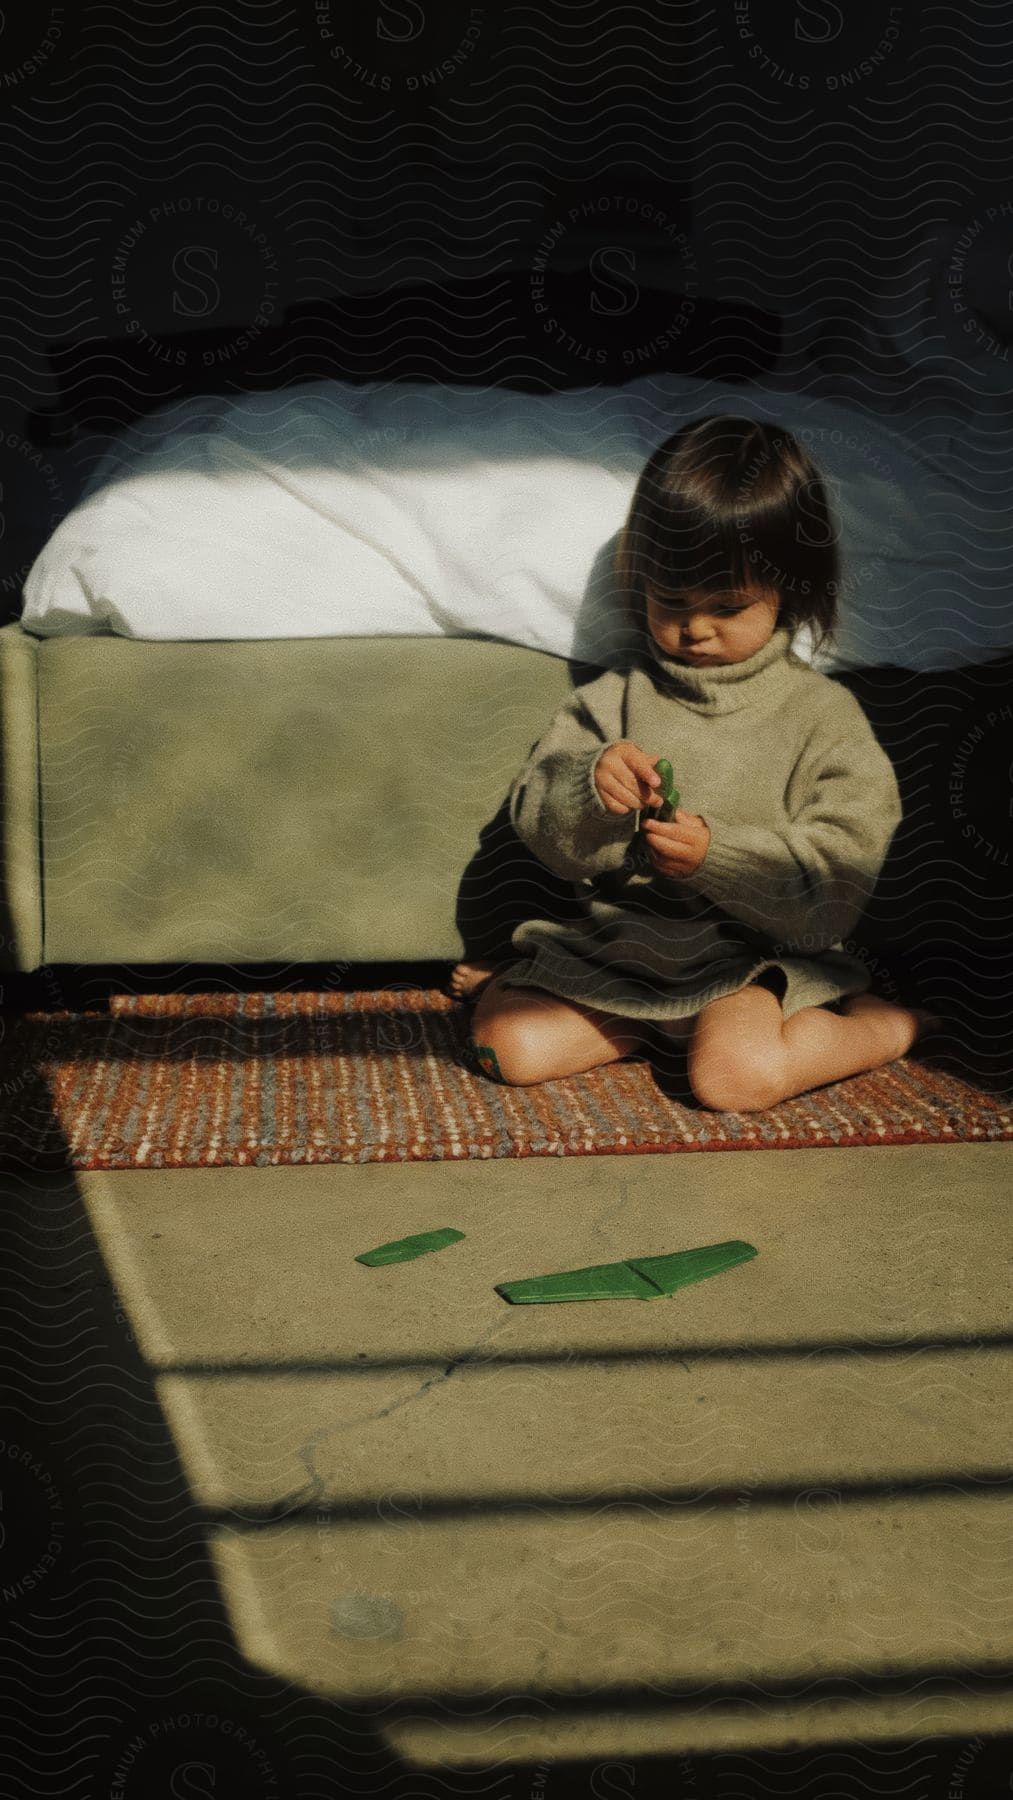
<point x="724" y="687"/>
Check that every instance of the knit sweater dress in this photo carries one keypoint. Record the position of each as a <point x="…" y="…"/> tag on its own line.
<point x="801" y="802"/>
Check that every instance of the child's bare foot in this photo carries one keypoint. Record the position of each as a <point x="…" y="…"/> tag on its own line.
<point x="469" y="978"/>
<point x="892" y="1028"/>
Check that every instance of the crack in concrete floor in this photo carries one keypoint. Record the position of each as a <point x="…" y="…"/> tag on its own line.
<point x="309" y="1450"/>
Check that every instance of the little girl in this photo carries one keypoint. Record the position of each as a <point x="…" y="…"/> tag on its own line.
<point x="722" y="926"/>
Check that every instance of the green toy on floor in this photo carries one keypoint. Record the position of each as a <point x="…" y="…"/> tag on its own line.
<point x="637" y="1278"/>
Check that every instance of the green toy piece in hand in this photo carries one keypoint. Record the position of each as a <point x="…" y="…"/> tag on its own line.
<point x="669" y="791"/>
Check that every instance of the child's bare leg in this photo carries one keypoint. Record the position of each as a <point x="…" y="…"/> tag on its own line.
<point x="823" y="1046"/>
<point x="746" y="1056"/>
<point x="523" y="1035"/>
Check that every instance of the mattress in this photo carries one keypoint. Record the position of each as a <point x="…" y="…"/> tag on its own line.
<point x="421" y="510"/>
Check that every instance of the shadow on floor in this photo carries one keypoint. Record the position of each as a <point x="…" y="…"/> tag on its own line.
<point x="125" y="1676"/>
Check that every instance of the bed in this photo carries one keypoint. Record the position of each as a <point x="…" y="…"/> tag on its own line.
<point x="276" y="669"/>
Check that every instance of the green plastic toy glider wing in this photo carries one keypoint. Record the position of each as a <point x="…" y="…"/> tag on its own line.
<point x="638" y="1278"/>
<point x="406" y="1249"/>
<point x="668" y="1273"/>
<point x="602" y="1281"/>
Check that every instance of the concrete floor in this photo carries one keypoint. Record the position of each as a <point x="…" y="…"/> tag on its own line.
<point x="766" y="1512"/>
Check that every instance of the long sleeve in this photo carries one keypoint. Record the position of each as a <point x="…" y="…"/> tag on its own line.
<point x="807" y="884"/>
<point x="555" y="807"/>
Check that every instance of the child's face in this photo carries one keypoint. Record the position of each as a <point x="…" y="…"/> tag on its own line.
<point x="705" y="628"/>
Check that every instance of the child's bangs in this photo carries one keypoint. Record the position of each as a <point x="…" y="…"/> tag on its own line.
<point x="685" y="547"/>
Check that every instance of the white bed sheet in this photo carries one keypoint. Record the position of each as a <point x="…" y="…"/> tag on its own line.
<point x="415" y="509"/>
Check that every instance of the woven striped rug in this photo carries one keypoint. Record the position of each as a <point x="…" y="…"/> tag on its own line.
<point x="266" y="1079"/>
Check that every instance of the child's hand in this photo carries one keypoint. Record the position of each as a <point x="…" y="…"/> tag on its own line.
<point x="678" y="847"/>
<point x="626" y="779"/>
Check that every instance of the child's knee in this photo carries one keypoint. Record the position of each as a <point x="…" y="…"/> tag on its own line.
<point x="509" y="1055"/>
<point x="512" y="1049"/>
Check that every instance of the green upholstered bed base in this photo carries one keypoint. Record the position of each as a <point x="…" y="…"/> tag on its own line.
<point x="299" y="800"/>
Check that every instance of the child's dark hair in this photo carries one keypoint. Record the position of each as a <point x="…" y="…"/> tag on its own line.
<point x="728" y="503"/>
